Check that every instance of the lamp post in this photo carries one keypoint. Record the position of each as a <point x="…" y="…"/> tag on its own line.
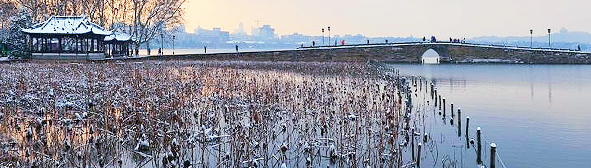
<point x="328" y="35"/>
<point x="162" y="43"/>
<point x="531" y="38"/>
<point x="549" y="38"/>
<point x="322" y="36"/>
<point x="173" y="38"/>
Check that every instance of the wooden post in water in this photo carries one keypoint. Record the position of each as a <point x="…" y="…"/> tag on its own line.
<point x="459" y="122"/>
<point x="452" y="109"/>
<point x="435" y="97"/>
<point x="467" y="126"/>
<point x="439" y="102"/>
<point x="419" y="156"/>
<point x="443" y="107"/>
<point x="432" y="91"/>
<point x="493" y="150"/>
<point x="478" y="147"/>
<point x="412" y="142"/>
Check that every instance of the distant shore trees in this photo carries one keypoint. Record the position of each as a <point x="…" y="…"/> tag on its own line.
<point x="143" y="19"/>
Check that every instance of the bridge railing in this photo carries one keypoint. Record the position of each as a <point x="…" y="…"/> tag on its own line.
<point x="442" y="42"/>
<point x="358" y="45"/>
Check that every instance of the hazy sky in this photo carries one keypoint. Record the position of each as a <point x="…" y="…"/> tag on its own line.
<point x="399" y="18"/>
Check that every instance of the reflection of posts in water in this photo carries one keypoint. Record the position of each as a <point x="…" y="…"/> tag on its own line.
<point x="451" y="121"/>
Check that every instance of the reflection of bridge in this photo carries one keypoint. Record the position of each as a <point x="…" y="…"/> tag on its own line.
<point x="459" y="53"/>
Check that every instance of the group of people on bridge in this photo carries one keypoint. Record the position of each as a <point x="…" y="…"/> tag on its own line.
<point x="451" y="40"/>
<point x="457" y="40"/>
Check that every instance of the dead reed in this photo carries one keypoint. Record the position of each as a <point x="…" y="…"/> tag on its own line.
<point x="199" y="114"/>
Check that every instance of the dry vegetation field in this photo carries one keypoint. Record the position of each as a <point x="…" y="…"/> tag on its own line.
<point x="197" y="114"/>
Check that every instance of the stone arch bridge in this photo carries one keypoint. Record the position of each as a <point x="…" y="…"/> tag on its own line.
<point x="457" y="53"/>
<point x="409" y="53"/>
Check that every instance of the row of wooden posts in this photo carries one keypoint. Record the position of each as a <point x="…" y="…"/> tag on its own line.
<point x="441" y="104"/>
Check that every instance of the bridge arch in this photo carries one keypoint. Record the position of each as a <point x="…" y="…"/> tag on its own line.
<point x="430" y="57"/>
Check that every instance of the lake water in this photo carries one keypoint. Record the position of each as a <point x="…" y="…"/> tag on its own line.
<point x="538" y="115"/>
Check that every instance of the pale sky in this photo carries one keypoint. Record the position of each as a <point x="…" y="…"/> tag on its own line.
<point x="398" y="18"/>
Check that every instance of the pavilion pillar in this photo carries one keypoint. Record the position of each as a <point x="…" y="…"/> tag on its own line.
<point x="75" y="44"/>
<point x="88" y="40"/>
<point x="83" y="43"/>
<point x="86" y="47"/>
<point x="29" y="43"/>
<point x="44" y="44"/>
<point x="60" y="45"/>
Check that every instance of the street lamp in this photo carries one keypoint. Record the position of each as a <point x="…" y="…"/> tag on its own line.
<point x="322" y="36"/>
<point x="173" y="38"/>
<point x="162" y="44"/>
<point x="328" y="35"/>
<point x="531" y="38"/>
<point x="548" y="38"/>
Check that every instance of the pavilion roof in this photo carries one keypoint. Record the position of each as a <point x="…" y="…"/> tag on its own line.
<point x="118" y="37"/>
<point x="67" y="25"/>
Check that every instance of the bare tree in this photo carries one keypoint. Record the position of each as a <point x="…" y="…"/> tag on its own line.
<point x="143" y="19"/>
<point x="7" y="9"/>
<point x="154" y="17"/>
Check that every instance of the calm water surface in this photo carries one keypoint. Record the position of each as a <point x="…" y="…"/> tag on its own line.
<point x="538" y="115"/>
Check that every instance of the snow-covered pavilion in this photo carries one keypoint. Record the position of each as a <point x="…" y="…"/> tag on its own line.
<point x="118" y="45"/>
<point x="67" y="37"/>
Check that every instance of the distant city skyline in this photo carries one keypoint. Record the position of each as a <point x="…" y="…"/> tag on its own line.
<point x="562" y="35"/>
<point x="379" y="18"/>
<point x="265" y="38"/>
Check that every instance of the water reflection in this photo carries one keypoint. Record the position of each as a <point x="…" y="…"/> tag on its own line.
<point x="537" y="113"/>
